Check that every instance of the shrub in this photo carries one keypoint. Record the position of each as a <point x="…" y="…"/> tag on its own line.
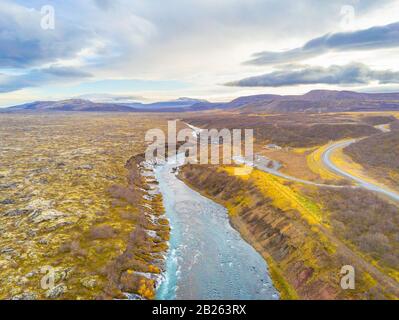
<point x="102" y="232"/>
<point x="74" y="248"/>
<point x="124" y="193"/>
<point x="366" y="220"/>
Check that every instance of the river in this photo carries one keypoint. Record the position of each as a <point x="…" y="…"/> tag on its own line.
<point x="207" y="258"/>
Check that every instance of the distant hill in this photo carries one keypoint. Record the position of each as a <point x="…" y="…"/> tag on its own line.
<point x="321" y="101"/>
<point x="181" y="103"/>
<point x="84" y="105"/>
<point x="315" y="101"/>
<point x="71" y="105"/>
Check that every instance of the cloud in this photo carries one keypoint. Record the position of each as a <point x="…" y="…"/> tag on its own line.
<point x="350" y="74"/>
<point x="23" y="43"/>
<point x="104" y="4"/>
<point x="39" y="77"/>
<point x="378" y="37"/>
<point x="101" y="28"/>
<point x="111" y="98"/>
<point x="148" y="36"/>
<point x="64" y="72"/>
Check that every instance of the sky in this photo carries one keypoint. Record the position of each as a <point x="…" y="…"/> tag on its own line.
<point x="152" y="50"/>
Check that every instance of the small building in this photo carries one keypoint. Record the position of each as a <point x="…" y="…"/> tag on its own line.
<point x="273" y="146"/>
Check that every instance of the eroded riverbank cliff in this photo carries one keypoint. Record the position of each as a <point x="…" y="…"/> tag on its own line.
<point x="304" y="259"/>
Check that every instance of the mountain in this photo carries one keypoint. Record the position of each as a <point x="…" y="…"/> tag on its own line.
<point x="247" y="100"/>
<point x="319" y="101"/>
<point x="315" y="101"/>
<point x="166" y="106"/>
<point x="347" y="95"/>
<point x="71" y="105"/>
<point x="84" y="105"/>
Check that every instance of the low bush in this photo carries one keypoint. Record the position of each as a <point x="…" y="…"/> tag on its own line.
<point x="102" y="232"/>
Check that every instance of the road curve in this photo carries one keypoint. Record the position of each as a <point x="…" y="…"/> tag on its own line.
<point x="261" y="163"/>
<point x="326" y="157"/>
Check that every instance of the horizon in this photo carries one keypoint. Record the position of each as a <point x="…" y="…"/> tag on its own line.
<point x="145" y="102"/>
<point x="145" y="52"/>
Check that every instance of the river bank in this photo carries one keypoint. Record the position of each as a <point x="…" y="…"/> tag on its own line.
<point x="137" y="272"/>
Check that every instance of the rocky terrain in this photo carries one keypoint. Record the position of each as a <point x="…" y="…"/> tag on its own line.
<point x="75" y="209"/>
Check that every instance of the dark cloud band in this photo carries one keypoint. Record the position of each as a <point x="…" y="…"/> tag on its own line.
<point x="373" y="38"/>
<point x="350" y="74"/>
<point x="38" y="77"/>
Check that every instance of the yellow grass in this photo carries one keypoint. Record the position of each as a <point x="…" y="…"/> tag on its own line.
<point x="316" y="164"/>
<point x="372" y="113"/>
<point x="286" y="290"/>
<point x="303" y="150"/>
<point x="284" y="197"/>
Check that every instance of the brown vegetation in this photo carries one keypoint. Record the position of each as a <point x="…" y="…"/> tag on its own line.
<point x="379" y="154"/>
<point x="379" y="119"/>
<point x="102" y="232"/>
<point x="293" y="130"/>
<point x="304" y="259"/>
<point x="365" y="220"/>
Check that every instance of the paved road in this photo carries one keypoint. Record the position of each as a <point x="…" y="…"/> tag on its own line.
<point x="365" y="184"/>
<point x="261" y="163"/>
